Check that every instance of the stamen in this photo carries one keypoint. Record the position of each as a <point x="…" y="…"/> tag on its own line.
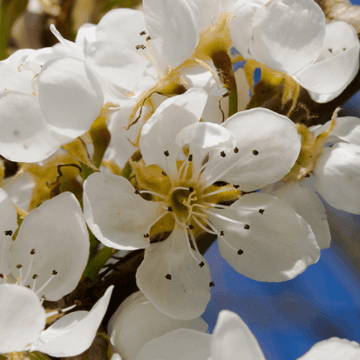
<point x="236" y="150"/>
<point x="147" y="235"/>
<point x="212" y="284"/>
<point x="215" y="192"/>
<point x="261" y="211"/>
<point x="34" y="283"/>
<point x="168" y="276"/>
<point x="8" y="232"/>
<point x="192" y="237"/>
<point x="222" y="217"/>
<point x="150" y="192"/>
<point x="55" y="312"/>
<point x="223" y="154"/>
<point x="54" y="273"/>
<point x="189" y="246"/>
<point x="255" y="152"/>
<point x="143" y="33"/>
<point x="203" y="227"/>
<point x="166" y="153"/>
<point x="185" y="165"/>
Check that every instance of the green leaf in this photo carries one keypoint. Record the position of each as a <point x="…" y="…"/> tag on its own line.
<point x="36" y="355"/>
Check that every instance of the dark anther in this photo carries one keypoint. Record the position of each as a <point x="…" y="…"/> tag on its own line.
<point x="8" y="232"/>
<point x="163" y="173"/>
<point x="255" y="152"/>
<point x="211" y="284"/>
<point x="43" y="297"/>
<point x="148" y="38"/>
<point x="146" y="236"/>
<point x="307" y="175"/>
<point x="54" y="272"/>
<point x="330" y="51"/>
<point x="170" y="208"/>
<point x="191" y="189"/>
<point x="191" y="227"/>
<point x="247" y="227"/>
<point x="236" y="186"/>
<point x="137" y="192"/>
<point x="236" y="150"/>
<point x="35" y="276"/>
<point x="344" y="49"/>
<point x="137" y="47"/>
<point x="60" y="311"/>
<point x="190" y="157"/>
<point x="18" y="266"/>
<point x="166" y="153"/>
<point x="168" y="276"/>
<point x="143" y="33"/>
<point x="202" y="264"/>
<point x="223" y="154"/>
<point x="261" y="211"/>
<point x="1" y="276"/>
<point x="27" y="286"/>
<point x="240" y="252"/>
<point x="222" y="233"/>
<point x="32" y="252"/>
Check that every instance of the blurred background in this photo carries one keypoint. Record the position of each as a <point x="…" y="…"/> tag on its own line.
<point x="286" y="318"/>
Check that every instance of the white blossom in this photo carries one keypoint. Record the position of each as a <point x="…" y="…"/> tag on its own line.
<point x="259" y="235"/>
<point x="291" y="36"/>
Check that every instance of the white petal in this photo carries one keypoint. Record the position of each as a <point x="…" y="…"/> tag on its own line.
<point x="336" y="69"/>
<point x="232" y="339"/>
<point x="159" y="133"/>
<point x="70" y="96"/>
<point x="262" y="132"/>
<point x="122" y="26"/>
<point x="279" y="244"/>
<point x="347" y="129"/>
<point x="241" y="25"/>
<point x="333" y="349"/>
<point x="173" y="27"/>
<point x="8" y="225"/>
<point x="287" y="35"/>
<point x="208" y="12"/>
<point x="22" y="318"/>
<point x="338" y="177"/>
<point x="85" y="33"/>
<point x="57" y="231"/>
<point x="138" y="322"/>
<point x="187" y="293"/>
<point x="117" y="216"/>
<point x="182" y="344"/>
<point x="308" y="205"/>
<point x="204" y="138"/>
<point x="122" y="66"/>
<point x="74" y="333"/>
<point x="25" y="136"/>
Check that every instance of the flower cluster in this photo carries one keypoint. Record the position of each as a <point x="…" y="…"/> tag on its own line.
<point x="139" y="139"/>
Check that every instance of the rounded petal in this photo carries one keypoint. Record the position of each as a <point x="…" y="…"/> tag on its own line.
<point x="85" y="34"/>
<point x="241" y="25"/>
<point x="25" y="136"/>
<point x="53" y="237"/>
<point x="74" y="333"/>
<point x="204" y="138"/>
<point x="276" y="245"/>
<point x="173" y="27"/>
<point x="232" y="339"/>
<point x="117" y="216"/>
<point x="122" y="66"/>
<point x="337" y="63"/>
<point x="185" y="295"/>
<point x="22" y="318"/>
<point x="287" y="35"/>
<point x="182" y="344"/>
<point x="261" y="135"/>
<point x="159" y="133"/>
<point x="338" y="177"/>
<point x="70" y="96"/>
<point x="347" y="129"/>
<point x="138" y="322"/>
<point x="308" y="205"/>
<point x="333" y="349"/>
<point x="122" y="26"/>
<point x="8" y="225"/>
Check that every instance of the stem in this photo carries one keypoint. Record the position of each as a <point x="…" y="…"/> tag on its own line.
<point x="224" y="66"/>
<point x="98" y="261"/>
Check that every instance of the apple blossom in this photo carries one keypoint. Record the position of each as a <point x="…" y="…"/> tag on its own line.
<point x="291" y="36"/>
<point x="192" y="168"/>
